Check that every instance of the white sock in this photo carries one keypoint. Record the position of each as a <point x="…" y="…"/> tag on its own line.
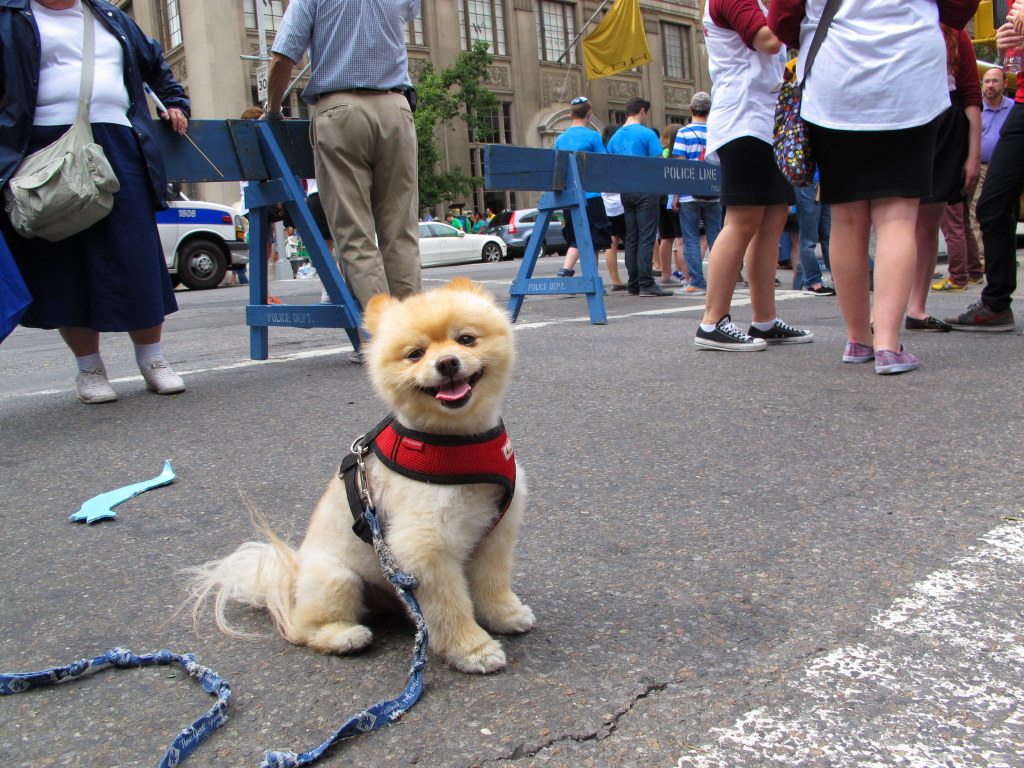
<point x="89" y="361"/>
<point x="707" y="328"/>
<point x="765" y="326"/>
<point x="145" y="351"/>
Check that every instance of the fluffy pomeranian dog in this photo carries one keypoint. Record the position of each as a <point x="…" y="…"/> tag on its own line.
<point x="440" y="360"/>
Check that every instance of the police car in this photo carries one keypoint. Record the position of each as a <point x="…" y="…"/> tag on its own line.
<point x="201" y="242"/>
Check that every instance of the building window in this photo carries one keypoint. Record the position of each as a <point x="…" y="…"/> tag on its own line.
<point x="482" y="20"/>
<point x="171" y="23"/>
<point x="414" y="32"/>
<point x="617" y="116"/>
<point x="681" y="119"/>
<point x="556" y="31"/>
<point x="272" y="12"/>
<point x="676" y="44"/>
<point x="499" y="129"/>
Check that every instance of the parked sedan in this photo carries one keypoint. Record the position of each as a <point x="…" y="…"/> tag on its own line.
<point x="443" y="244"/>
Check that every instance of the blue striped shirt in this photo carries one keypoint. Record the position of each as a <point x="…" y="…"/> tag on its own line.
<point x="351" y="43"/>
<point x="690" y="144"/>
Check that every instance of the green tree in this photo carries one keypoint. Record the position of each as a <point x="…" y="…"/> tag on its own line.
<point x="454" y="93"/>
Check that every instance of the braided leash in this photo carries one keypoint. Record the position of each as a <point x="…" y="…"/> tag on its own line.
<point x="189" y="739"/>
<point x="385" y="712"/>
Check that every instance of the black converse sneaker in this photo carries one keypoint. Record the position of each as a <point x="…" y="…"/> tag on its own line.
<point x="781" y="333"/>
<point x="728" y="338"/>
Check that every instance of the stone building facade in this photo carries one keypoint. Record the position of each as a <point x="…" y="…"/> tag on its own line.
<point x="533" y="75"/>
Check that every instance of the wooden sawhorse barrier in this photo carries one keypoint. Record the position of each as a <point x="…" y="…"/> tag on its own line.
<point x="272" y="157"/>
<point x="566" y="175"/>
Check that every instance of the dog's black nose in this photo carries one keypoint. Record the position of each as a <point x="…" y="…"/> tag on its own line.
<point x="447" y="365"/>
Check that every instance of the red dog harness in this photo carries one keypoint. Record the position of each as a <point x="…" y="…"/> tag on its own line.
<point x="429" y="458"/>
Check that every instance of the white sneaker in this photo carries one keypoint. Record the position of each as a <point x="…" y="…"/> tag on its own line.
<point x="160" y="378"/>
<point x="93" y="386"/>
<point x="325" y="298"/>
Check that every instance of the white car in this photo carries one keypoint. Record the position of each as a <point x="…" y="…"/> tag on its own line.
<point x="201" y="242"/>
<point x="444" y="244"/>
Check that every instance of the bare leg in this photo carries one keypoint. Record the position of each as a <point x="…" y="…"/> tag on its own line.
<point x="851" y="225"/>
<point x="741" y="225"/>
<point x="762" y="261"/>
<point x="895" y="220"/>
<point x="81" y="341"/>
<point x="571" y="257"/>
<point x="147" y="335"/>
<point x="929" y="219"/>
<point x="611" y="259"/>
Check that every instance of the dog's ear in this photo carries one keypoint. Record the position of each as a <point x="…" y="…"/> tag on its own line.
<point x="376" y="308"/>
<point x="465" y="284"/>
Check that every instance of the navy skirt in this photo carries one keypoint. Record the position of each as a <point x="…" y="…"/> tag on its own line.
<point x="111" y="276"/>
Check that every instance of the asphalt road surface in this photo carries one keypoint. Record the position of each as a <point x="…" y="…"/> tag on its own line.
<point x="770" y="559"/>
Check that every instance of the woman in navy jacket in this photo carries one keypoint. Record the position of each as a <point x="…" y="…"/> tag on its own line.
<point x="111" y="276"/>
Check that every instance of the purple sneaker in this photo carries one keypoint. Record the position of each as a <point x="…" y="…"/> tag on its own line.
<point x="887" y="361"/>
<point x="856" y="352"/>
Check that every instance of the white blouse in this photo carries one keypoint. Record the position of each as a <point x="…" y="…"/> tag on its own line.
<point x="742" y="101"/>
<point x="60" y="75"/>
<point x="882" y="66"/>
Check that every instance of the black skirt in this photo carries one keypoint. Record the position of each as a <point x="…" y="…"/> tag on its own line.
<point x="749" y="175"/>
<point x="950" y="154"/>
<point x="869" y="165"/>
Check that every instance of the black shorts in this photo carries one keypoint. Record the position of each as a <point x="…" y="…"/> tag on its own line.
<point x="750" y="176"/>
<point x="668" y="224"/>
<point x="600" y="228"/>
<point x="618" y="225"/>
<point x="869" y="165"/>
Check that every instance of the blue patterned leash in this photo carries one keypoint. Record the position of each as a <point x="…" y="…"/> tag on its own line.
<point x="384" y="712"/>
<point x="189" y="739"/>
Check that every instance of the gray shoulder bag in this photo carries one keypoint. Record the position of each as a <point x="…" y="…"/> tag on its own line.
<point x="69" y="185"/>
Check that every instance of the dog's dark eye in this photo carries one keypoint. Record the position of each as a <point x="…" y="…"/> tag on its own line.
<point x="416" y="354"/>
<point x="466" y="340"/>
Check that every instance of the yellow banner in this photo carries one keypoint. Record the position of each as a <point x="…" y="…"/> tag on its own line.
<point x="618" y="43"/>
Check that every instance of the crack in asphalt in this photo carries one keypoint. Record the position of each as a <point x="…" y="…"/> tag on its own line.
<point x="607" y="730"/>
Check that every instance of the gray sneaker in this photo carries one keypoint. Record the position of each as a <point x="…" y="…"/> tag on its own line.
<point x="980" y="317"/>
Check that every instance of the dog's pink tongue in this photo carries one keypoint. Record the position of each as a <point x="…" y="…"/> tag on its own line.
<point x="453" y="390"/>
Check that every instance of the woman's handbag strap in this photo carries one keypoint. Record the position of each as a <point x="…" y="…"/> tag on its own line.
<point x="88" y="63"/>
<point x="827" y="14"/>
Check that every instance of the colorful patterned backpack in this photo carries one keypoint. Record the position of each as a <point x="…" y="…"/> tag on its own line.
<point x="791" y="142"/>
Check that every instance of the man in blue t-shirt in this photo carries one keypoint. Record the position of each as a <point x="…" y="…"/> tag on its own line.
<point x="641" y="211"/>
<point x="578" y="137"/>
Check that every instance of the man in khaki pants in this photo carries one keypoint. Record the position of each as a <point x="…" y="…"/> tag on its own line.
<point x="362" y="130"/>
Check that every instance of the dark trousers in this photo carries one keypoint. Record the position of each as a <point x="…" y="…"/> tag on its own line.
<point x="997" y="212"/>
<point x="641" y="213"/>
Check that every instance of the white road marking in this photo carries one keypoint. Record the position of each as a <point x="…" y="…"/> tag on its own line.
<point x="739" y="301"/>
<point x="936" y="681"/>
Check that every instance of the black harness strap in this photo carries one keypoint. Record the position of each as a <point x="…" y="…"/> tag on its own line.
<point x="431" y="458"/>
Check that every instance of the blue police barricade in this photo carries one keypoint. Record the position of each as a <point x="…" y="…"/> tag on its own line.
<point x="565" y="176"/>
<point x="272" y="157"/>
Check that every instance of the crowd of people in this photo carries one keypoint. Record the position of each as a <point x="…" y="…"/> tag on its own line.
<point x="935" y="152"/>
<point x="902" y="166"/>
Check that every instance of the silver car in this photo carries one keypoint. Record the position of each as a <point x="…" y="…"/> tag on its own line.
<point x="515" y="228"/>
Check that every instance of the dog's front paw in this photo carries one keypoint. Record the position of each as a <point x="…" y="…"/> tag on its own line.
<point x="509" y="619"/>
<point x="339" y="637"/>
<point x="488" y="658"/>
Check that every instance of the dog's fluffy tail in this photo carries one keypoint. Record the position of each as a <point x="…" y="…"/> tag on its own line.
<point x="258" y="573"/>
